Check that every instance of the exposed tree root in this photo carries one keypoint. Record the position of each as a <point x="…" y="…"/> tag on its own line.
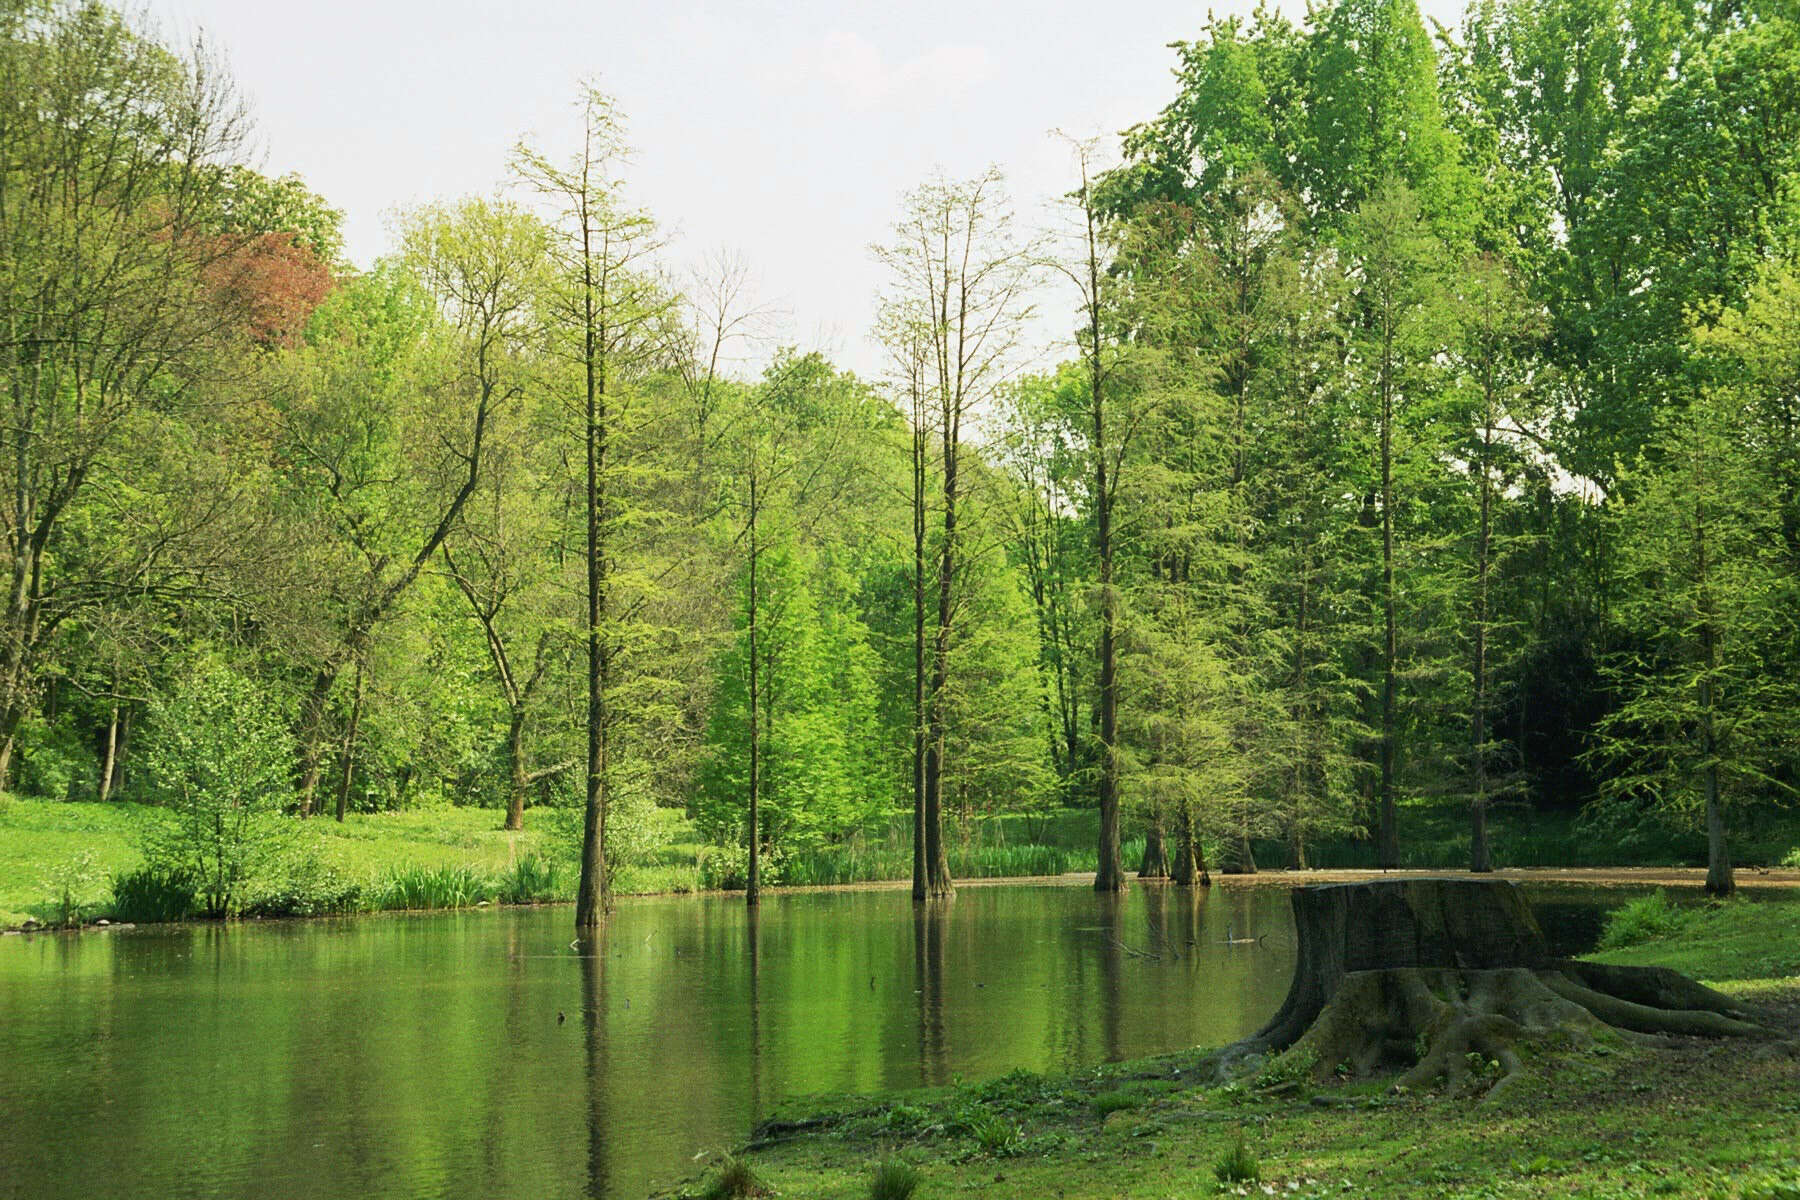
<point x="1446" y="984"/>
<point x="1468" y="1029"/>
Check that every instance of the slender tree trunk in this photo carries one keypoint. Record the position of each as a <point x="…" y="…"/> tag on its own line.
<point x="109" y="758"/>
<point x="920" y="873"/>
<point x="312" y="737"/>
<point x="1109" y="875"/>
<point x="1387" y="849"/>
<point x="592" y="897"/>
<point x="1720" y="880"/>
<point x="1479" y="858"/>
<point x="348" y="755"/>
<point x="937" y="866"/>
<point x="519" y="779"/>
<point x="753" y="877"/>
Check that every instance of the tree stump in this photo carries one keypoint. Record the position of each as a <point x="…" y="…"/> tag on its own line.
<point x="1434" y="977"/>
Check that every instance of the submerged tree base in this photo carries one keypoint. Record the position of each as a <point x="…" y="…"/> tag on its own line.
<point x="1449" y="981"/>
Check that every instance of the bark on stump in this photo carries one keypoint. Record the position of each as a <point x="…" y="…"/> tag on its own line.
<point x="1439" y="978"/>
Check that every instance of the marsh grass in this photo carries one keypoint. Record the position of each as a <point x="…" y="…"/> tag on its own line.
<point x="1108" y="1103"/>
<point x="733" y="1180"/>
<point x="152" y="894"/>
<point x="533" y="879"/>
<point x="1238" y="1164"/>
<point x="434" y="887"/>
<point x="894" y="1179"/>
<point x="1643" y="919"/>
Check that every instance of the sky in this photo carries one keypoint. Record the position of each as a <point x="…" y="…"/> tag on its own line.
<point x="784" y="134"/>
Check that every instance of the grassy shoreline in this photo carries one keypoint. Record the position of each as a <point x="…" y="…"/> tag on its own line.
<point x="1613" y="1120"/>
<point x="448" y="857"/>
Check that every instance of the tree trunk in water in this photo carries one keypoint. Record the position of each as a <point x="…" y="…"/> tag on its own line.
<point x="937" y="866"/>
<point x="753" y="876"/>
<point x="1156" y="856"/>
<point x="920" y="874"/>
<point x="1182" y="872"/>
<point x="592" y="894"/>
<point x="1109" y="875"/>
<point x="1424" y="975"/>
<point x="1239" y="858"/>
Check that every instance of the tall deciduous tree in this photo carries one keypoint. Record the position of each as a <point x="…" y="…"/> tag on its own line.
<point x="114" y="157"/>
<point x="958" y="284"/>
<point x="609" y="313"/>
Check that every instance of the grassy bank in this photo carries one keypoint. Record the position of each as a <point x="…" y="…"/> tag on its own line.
<point x="61" y="858"/>
<point x="58" y="858"/>
<point x="1698" y="1120"/>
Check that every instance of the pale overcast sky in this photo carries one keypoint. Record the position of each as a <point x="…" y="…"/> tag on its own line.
<point x="784" y="132"/>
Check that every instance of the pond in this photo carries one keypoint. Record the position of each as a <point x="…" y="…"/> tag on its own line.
<point x="483" y="1054"/>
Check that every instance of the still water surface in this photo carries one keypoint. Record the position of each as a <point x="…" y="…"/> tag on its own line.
<point x="482" y="1055"/>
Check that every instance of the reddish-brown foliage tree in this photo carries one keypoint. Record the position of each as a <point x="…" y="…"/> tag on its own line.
<point x="272" y="282"/>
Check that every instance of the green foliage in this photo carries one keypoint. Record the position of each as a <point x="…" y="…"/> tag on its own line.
<point x="993" y="1133"/>
<point x="732" y="1179"/>
<point x="73" y="885"/>
<point x="153" y="894"/>
<point x="533" y="879"/>
<point x="220" y="761"/>
<point x="1642" y="919"/>
<point x="1289" y="1071"/>
<point x="1238" y="1164"/>
<point x="1108" y="1103"/>
<point x="437" y="887"/>
<point x="895" y="1179"/>
<point x="303" y="884"/>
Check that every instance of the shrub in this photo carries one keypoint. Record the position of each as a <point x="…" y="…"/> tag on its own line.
<point x="151" y="894"/>
<point x="433" y="887"/>
<point x="723" y="867"/>
<point x="75" y="883"/>
<point x="993" y="1133"/>
<point x="894" y="1180"/>
<point x="1238" y="1164"/>
<point x="221" y="760"/>
<point x="1644" y="919"/>
<point x="1107" y="1103"/>
<point x="530" y="880"/>
<point x="307" y="887"/>
<point x="733" y="1180"/>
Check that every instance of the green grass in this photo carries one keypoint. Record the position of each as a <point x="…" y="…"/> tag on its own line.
<point x="49" y="848"/>
<point x="1715" y="1121"/>
<point x="1732" y="942"/>
<point x="60" y="859"/>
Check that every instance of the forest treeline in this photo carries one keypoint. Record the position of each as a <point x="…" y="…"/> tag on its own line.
<point x="1428" y="431"/>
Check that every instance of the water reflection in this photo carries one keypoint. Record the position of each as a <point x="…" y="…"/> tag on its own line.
<point x="592" y="950"/>
<point x="931" y="924"/>
<point x="480" y="1054"/>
